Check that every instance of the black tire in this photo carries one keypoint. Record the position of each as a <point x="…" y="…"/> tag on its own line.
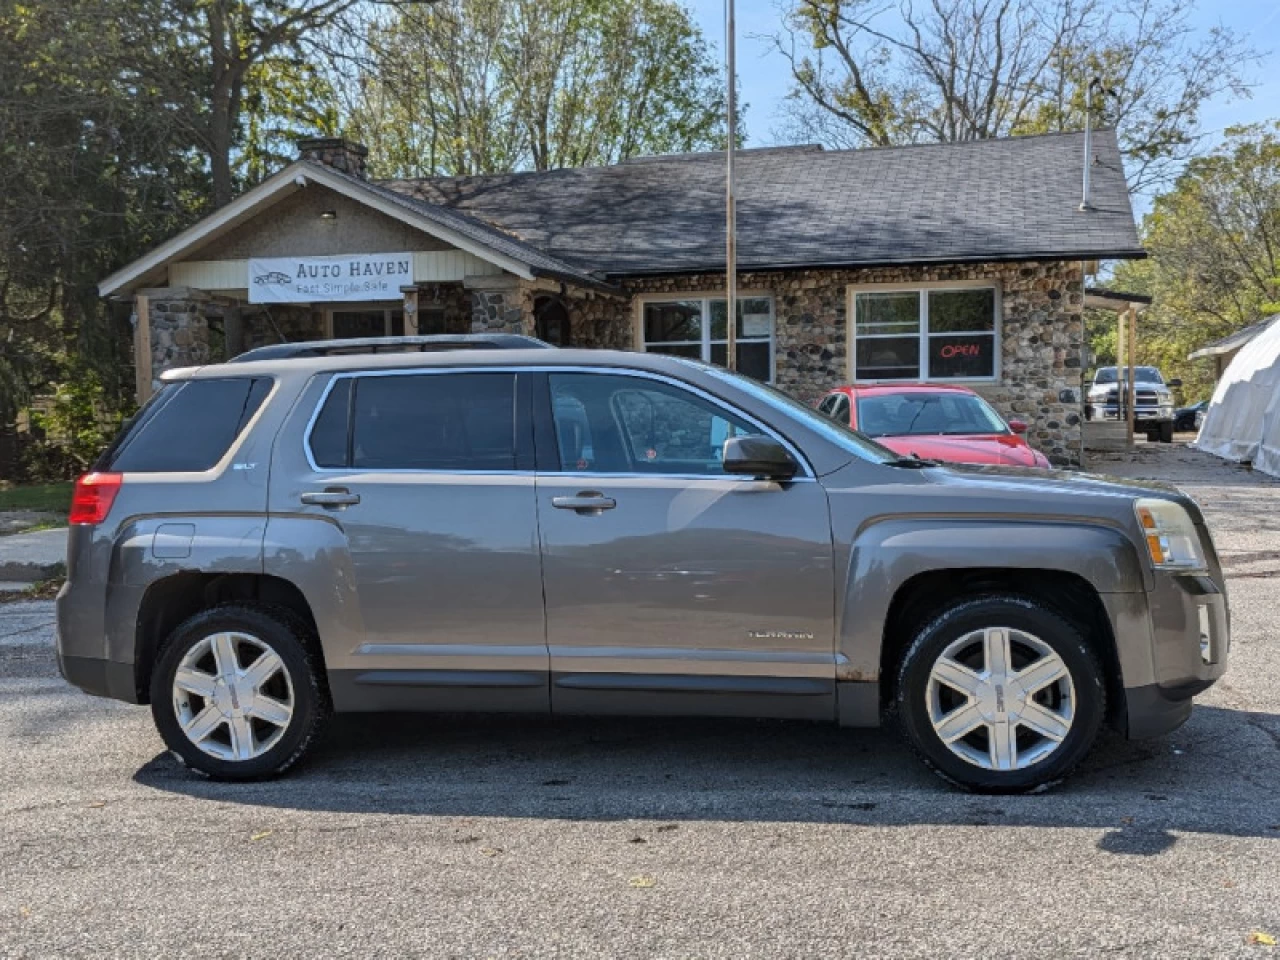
<point x="1165" y="432"/>
<point x="910" y="702"/>
<point x="289" y="637"/>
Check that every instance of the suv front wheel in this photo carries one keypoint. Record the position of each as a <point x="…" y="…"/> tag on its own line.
<point x="237" y="692"/>
<point x="1000" y="694"/>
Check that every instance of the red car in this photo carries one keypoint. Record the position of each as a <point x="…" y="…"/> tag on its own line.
<point x="934" y="422"/>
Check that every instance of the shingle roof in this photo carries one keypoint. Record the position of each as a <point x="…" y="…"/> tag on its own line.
<point x="493" y="236"/>
<point x="1013" y="198"/>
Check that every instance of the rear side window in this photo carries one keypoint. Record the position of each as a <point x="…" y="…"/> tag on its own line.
<point x="463" y="421"/>
<point x="188" y="428"/>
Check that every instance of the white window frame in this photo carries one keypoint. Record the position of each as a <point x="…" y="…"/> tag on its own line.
<point x="923" y="335"/>
<point x="706" y="297"/>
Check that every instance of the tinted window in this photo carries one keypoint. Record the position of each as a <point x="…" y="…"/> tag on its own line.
<point x="616" y="424"/>
<point x="462" y="421"/>
<point x="329" y="433"/>
<point x="191" y="427"/>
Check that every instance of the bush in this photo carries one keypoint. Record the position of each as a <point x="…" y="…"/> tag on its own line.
<point x="72" y="429"/>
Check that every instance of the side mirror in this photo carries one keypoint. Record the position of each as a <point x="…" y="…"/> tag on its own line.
<point x="1175" y="382"/>
<point x="1018" y="426"/>
<point x="757" y="456"/>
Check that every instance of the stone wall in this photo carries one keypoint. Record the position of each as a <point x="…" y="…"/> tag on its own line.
<point x="1042" y="334"/>
<point x="179" y="330"/>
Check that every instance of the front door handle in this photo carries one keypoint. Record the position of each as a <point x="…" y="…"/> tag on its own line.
<point x="587" y="502"/>
<point x="334" y="498"/>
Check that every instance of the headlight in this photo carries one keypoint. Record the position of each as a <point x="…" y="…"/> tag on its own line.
<point x="1172" y="540"/>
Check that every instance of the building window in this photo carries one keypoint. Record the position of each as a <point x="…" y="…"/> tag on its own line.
<point x="371" y="322"/>
<point x="925" y="334"/>
<point x="696" y="328"/>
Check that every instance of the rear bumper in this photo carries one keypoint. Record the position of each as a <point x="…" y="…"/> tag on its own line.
<point x="102" y="678"/>
<point x="1190" y="639"/>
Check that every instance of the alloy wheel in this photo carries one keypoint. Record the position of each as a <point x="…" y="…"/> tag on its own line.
<point x="1000" y="699"/>
<point x="232" y="696"/>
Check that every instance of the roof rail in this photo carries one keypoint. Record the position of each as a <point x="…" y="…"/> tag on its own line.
<point x="426" y="344"/>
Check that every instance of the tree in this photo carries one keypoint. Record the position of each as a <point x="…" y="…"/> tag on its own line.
<point x="95" y="169"/>
<point x="869" y="73"/>
<point x="260" y="51"/>
<point x="484" y="86"/>
<point x="1214" y="244"/>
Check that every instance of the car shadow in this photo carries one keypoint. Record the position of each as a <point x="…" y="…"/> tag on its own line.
<point x="1215" y="775"/>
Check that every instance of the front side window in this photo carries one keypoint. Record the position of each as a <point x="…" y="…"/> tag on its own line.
<point x="617" y="424"/>
<point x="453" y="422"/>
<point x="925" y="334"/>
<point x="697" y="329"/>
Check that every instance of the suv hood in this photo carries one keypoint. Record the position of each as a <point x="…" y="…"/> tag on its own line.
<point x="1047" y="487"/>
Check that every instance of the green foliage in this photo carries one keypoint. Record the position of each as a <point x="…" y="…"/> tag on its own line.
<point x="1214" y="244"/>
<point x="489" y="86"/>
<point x="73" y="428"/>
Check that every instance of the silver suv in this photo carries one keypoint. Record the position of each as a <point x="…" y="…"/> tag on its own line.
<point x="591" y="532"/>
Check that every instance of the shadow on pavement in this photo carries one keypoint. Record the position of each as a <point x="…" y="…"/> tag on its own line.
<point x="1216" y="775"/>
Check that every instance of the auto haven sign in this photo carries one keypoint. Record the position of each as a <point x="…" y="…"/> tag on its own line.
<point x="353" y="277"/>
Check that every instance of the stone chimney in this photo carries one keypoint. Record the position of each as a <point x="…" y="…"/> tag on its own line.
<point x="345" y="155"/>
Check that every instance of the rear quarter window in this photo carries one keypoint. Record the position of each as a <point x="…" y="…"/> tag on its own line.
<point x="189" y="427"/>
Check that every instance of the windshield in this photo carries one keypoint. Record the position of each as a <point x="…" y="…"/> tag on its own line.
<point x="935" y="414"/>
<point x="1140" y="375"/>
<point x="850" y="440"/>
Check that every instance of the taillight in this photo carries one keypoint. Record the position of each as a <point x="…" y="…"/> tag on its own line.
<point x="94" y="494"/>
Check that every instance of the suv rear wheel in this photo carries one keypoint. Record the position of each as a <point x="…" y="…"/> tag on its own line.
<point x="237" y="692"/>
<point x="999" y="694"/>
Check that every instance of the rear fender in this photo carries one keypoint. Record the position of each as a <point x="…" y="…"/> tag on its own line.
<point x="312" y="553"/>
<point x="150" y="549"/>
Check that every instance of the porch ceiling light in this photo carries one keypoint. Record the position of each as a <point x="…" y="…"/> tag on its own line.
<point x="329" y="215"/>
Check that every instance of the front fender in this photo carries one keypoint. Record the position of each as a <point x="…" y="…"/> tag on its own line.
<point x="888" y="553"/>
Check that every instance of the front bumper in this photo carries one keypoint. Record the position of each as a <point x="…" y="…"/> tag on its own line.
<point x="1110" y="411"/>
<point x="1190" y="636"/>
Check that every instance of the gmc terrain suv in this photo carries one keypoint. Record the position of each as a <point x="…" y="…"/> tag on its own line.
<point x="591" y="532"/>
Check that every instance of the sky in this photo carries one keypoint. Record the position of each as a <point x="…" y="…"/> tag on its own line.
<point x="764" y="76"/>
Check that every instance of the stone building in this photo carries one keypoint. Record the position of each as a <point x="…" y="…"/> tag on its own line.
<point x="962" y="263"/>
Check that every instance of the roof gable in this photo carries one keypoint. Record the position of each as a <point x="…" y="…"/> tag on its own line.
<point x="454" y="228"/>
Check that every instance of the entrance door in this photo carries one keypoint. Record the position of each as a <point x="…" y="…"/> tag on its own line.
<point x="670" y="585"/>
<point x="428" y="476"/>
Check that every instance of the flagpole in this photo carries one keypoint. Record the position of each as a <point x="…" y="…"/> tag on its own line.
<point x="731" y="215"/>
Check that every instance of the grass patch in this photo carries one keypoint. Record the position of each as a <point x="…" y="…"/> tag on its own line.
<point x="41" y="590"/>
<point x="50" y="497"/>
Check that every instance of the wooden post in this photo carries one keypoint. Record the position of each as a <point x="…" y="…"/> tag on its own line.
<point x="1131" y="342"/>
<point x="142" y="347"/>
<point x="410" y="311"/>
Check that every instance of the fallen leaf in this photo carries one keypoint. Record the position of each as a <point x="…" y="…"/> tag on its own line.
<point x="1228" y="884"/>
<point x="641" y="881"/>
<point x="1260" y="939"/>
<point x="25" y="911"/>
<point x="637" y="840"/>
<point x="675" y="826"/>
<point x="261" y="835"/>
<point x="1126" y="819"/>
<point x="491" y="851"/>
<point x="96" y="804"/>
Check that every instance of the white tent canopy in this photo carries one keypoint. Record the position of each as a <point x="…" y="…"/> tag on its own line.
<point x="1242" y="422"/>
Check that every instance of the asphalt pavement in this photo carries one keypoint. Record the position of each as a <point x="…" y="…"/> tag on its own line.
<point x="499" y="837"/>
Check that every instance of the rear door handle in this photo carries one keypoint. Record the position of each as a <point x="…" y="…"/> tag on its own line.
<point x="333" y="498"/>
<point x="588" y="502"/>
